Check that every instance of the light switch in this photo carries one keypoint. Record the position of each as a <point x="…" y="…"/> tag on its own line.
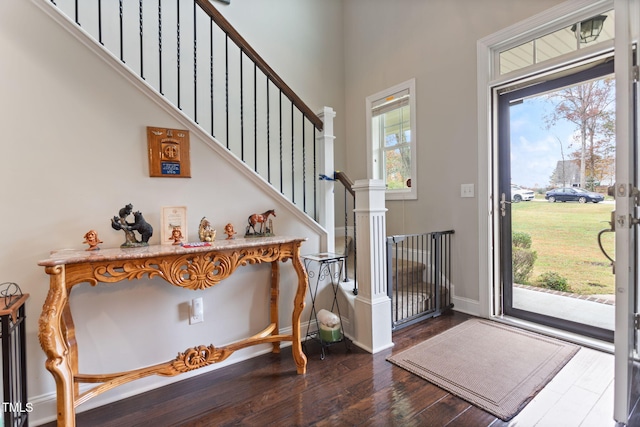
<point x="197" y="311"/>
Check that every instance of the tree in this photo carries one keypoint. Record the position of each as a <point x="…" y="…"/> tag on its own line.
<point x="590" y="106"/>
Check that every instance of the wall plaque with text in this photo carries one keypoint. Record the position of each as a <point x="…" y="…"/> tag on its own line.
<point x="168" y="153"/>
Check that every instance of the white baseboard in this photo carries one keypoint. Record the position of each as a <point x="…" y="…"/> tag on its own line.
<point x="465" y="305"/>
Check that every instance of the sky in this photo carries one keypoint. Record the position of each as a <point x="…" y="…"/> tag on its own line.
<point x="535" y="151"/>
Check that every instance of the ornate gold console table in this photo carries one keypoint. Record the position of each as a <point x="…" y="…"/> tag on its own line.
<point x="191" y="268"/>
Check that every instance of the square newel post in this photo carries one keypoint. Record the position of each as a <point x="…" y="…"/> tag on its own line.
<point x="372" y="305"/>
<point x="326" y="198"/>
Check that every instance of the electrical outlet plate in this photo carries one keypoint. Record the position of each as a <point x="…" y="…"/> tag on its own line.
<point x="467" y="190"/>
<point x="197" y="311"/>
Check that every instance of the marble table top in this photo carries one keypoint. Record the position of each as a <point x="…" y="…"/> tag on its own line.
<point x="77" y="256"/>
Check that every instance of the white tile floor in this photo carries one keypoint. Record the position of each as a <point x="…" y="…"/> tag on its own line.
<point x="580" y="395"/>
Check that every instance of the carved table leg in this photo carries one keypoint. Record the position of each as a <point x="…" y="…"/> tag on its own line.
<point x="298" y="305"/>
<point x="54" y="344"/>
<point x="69" y="334"/>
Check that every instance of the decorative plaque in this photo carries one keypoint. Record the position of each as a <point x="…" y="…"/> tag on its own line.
<point x="168" y="153"/>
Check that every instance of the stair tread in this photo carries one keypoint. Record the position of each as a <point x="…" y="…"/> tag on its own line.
<point x="404" y="266"/>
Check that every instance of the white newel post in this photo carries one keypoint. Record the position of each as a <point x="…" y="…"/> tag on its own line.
<point x="326" y="202"/>
<point x="372" y="305"/>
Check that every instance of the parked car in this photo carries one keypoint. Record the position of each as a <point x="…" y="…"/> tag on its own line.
<point x="519" y="194"/>
<point x="572" y="194"/>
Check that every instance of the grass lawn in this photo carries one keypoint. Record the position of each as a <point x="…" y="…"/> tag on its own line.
<point x="565" y="236"/>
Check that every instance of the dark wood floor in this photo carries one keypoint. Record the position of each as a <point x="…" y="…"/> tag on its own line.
<point x="346" y="388"/>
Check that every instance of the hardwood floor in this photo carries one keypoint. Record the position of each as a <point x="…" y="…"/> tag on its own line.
<point x="346" y="388"/>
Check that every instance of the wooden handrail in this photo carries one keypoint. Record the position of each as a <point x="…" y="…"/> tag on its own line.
<point x="257" y="59"/>
<point x="344" y="179"/>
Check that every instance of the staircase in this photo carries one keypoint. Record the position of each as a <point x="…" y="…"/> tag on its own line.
<point x="419" y="273"/>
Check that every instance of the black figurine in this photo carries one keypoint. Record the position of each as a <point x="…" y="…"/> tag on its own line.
<point x="140" y="225"/>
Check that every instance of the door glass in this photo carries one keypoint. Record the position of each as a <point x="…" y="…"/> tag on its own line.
<point x="556" y="169"/>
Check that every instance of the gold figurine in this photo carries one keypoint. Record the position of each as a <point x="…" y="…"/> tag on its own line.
<point x="229" y="231"/>
<point x="91" y="239"/>
<point x="176" y="235"/>
<point x="205" y="232"/>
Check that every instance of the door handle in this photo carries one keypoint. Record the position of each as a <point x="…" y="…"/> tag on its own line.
<point x="611" y="229"/>
<point x="503" y="204"/>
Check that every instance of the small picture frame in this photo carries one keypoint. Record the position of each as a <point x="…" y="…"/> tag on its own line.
<point x="173" y="216"/>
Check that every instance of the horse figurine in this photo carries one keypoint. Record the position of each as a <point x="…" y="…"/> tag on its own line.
<point x="259" y="219"/>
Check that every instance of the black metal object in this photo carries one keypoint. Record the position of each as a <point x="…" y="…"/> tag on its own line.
<point x="195" y="64"/>
<point x="121" y="26"/>
<point x="419" y="276"/>
<point x="178" y="55"/>
<point x="349" y="201"/>
<point x="16" y="408"/>
<point x="330" y="268"/>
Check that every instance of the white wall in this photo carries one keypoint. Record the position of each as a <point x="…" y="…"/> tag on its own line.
<point x="388" y="42"/>
<point x="74" y="134"/>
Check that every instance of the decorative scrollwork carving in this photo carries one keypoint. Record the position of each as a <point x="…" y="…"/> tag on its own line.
<point x="131" y="270"/>
<point x="201" y="271"/>
<point x="198" y="357"/>
<point x="191" y="271"/>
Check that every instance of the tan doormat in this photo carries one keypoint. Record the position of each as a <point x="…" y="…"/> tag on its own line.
<point x="496" y="367"/>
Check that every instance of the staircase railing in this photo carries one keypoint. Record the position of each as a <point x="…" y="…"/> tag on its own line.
<point x="191" y="54"/>
<point x="419" y="276"/>
<point x="349" y="223"/>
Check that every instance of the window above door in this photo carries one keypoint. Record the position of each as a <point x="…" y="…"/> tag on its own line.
<point x="587" y="32"/>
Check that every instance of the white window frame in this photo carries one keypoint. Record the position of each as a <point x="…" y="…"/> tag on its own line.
<point x="373" y="152"/>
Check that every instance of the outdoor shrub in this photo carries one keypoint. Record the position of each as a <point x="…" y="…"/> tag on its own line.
<point x="523" y="260"/>
<point x="520" y="240"/>
<point x="553" y="280"/>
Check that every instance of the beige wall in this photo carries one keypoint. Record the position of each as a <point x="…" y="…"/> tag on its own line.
<point x="388" y="42"/>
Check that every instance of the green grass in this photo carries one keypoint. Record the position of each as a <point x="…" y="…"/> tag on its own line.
<point x="565" y="236"/>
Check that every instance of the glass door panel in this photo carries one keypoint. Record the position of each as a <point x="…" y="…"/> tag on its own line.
<point x="556" y="162"/>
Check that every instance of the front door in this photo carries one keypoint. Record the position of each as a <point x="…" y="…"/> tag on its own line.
<point x="556" y="159"/>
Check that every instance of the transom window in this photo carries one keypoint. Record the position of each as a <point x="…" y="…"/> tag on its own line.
<point x="587" y="32"/>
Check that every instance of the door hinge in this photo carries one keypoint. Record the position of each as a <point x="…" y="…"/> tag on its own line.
<point x="503" y="204"/>
<point x="636" y="321"/>
<point x="635" y="71"/>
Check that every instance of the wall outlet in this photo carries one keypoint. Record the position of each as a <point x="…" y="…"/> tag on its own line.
<point x="466" y="190"/>
<point x="197" y="311"/>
